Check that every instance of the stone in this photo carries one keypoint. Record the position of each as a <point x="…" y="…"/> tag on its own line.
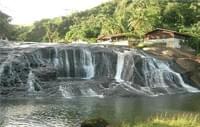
<point x="97" y="122"/>
<point x="45" y="73"/>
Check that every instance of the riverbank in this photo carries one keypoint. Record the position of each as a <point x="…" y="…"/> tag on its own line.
<point x="159" y="120"/>
<point x="188" y="62"/>
<point x="170" y="120"/>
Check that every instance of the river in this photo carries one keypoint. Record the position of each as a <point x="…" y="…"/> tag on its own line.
<point x="60" y="112"/>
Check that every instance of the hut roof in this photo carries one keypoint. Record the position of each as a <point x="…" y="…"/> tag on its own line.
<point x="105" y="37"/>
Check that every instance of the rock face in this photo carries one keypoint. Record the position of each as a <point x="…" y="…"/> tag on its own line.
<point x="45" y="73"/>
<point x="95" y="123"/>
<point x="32" y="69"/>
<point x="185" y="63"/>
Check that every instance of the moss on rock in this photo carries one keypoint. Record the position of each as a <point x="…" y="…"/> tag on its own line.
<point x="97" y="122"/>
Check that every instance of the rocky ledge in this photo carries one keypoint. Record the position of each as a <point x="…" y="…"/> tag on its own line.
<point x="188" y="62"/>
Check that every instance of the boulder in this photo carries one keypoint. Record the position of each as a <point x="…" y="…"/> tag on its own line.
<point x="97" y="122"/>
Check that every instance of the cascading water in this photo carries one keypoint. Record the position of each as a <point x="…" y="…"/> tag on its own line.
<point x="88" y="64"/>
<point x="31" y="81"/>
<point x="66" y="63"/>
<point x="56" y="60"/>
<point x="66" y="93"/>
<point x="120" y="65"/>
<point x="76" y="63"/>
<point x="72" y="70"/>
<point x="183" y="84"/>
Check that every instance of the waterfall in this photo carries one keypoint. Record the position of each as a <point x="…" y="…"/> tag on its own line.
<point x="181" y="81"/>
<point x="66" y="63"/>
<point x="56" y="59"/>
<point x="75" y="67"/>
<point x="153" y="72"/>
<point x="184" y="85"/>
<point x="88" y="64"/>
<point x="120" y="65"/>
<point x="33" y="83"/>
<point x="74" y="63"/>
<point x="89" y="69"/>
<point x="157" y="73"/>
<point x="65" y="92"/>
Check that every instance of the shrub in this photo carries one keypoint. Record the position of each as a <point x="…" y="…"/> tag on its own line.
<point x="170" y="120"/>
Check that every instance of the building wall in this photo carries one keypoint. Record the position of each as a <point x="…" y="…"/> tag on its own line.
<point x="122" y="43"/>
<point x="170" y="42"/>
<point x="174" y="43"/>
<point x="171" y="39"/>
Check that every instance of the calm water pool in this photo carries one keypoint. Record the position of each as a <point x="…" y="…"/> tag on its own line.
<point x="60" y="112"/>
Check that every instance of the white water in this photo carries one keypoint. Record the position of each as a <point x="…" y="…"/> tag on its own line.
<point x="67" y="65"/>
<point x="154" y="71"/>
<point x="154" y="74"/>
<point x="33" y="83"/>
<point x="56" y="60"/>
<point x="88" y="64"/>
<point x="30" y="82"/>
<point x="67" y="92"/>
<point x="184" y="85"/>
<point x="64" y="91"/>
<point x="90" y="93"/>
<point x="120" y="65"/>
<point x="188" y="87"/>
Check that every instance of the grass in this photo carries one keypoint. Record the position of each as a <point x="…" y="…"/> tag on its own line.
<point x="170" y="120"/>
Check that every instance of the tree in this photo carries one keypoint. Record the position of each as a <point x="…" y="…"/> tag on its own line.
<point x="194" y="42"/>
<point x="133" y="17"/>
<point x="19" y="33"/>
<point x="52" y="34"/>
<point x="5" y="27"/>
<point x="87" y="30"/>
<point x="37" y="31"/>
<point x="145" y="16"/>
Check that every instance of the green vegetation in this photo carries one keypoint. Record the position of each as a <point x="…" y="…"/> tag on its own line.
<point x="134" y="17"/>
<point x="5" y="27"/>
<point x="169" y="120"/>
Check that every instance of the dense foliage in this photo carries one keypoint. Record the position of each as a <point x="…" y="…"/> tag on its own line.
<point x="117" y="16"/>
<point x="5" y="27"/>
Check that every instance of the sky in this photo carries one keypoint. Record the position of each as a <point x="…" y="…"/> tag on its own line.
<point x="27" y="11"/>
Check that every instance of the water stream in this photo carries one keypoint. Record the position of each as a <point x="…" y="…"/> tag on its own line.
<point x="60" y="85"/>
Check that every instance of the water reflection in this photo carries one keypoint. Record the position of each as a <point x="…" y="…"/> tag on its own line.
<point x="70" y="112"/>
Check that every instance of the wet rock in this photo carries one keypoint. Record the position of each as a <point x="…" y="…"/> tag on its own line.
<point x="107" y="66"/>
<point x="48" y="68"/>
<point x="98" y="122"/>
<point x="45" y="73"/>
<point x="182" y="61"/>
